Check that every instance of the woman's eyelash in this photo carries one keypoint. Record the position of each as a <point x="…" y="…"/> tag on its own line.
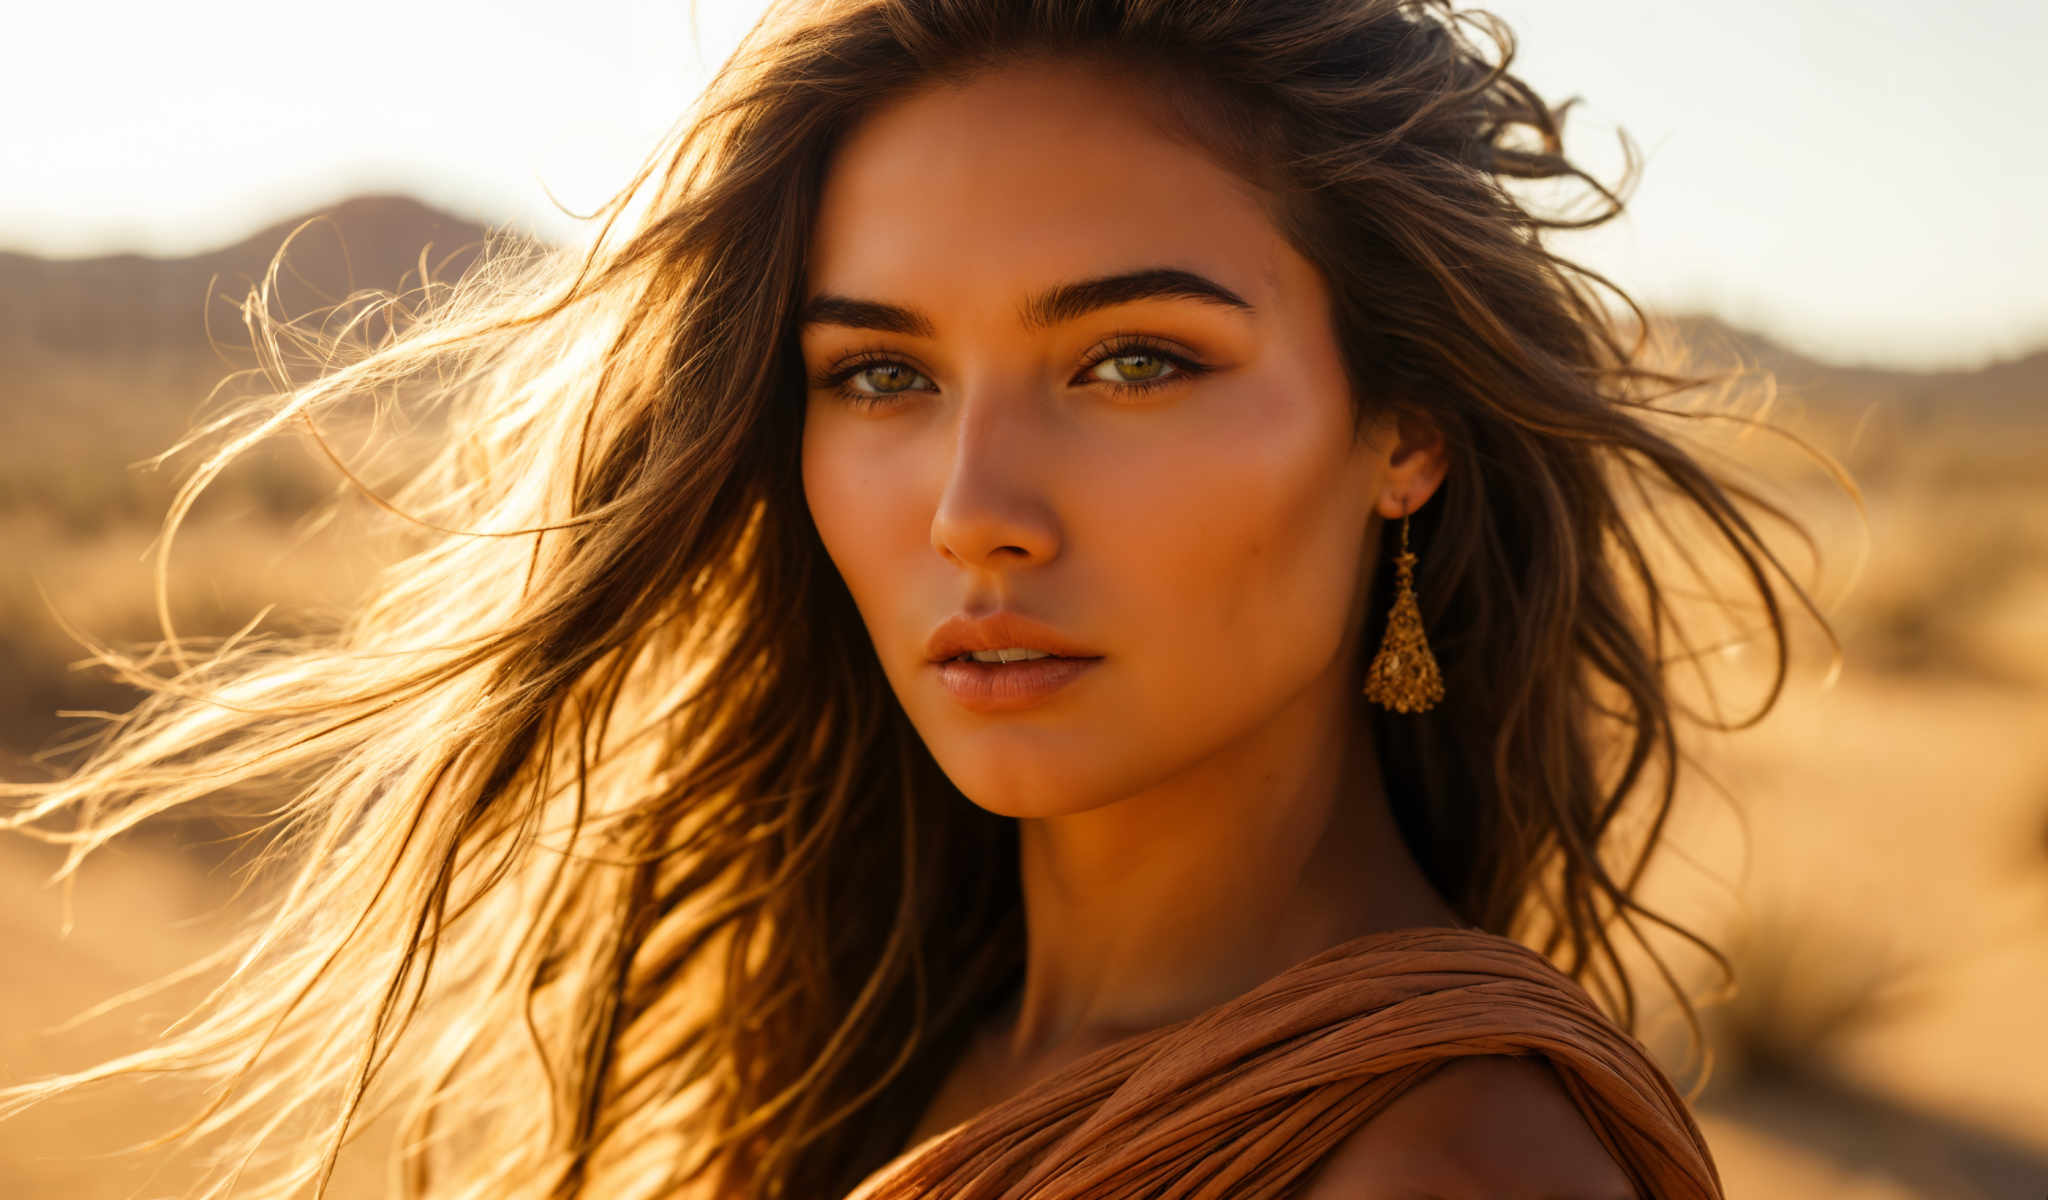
<point x="1118" y="346"/>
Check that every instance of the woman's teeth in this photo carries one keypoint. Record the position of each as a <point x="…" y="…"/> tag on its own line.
<point x="1017" y="654"/>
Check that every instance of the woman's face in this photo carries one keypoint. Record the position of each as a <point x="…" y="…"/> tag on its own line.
<point x="1204" y="537"/>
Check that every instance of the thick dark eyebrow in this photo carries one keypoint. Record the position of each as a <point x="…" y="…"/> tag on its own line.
<point x="1056" y="304"/>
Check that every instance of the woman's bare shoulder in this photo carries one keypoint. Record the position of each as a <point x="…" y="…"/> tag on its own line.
<point x="1493" y="1126"/>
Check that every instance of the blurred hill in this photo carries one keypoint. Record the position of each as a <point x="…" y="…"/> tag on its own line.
<point x="2001" y="395"/>
<point x="129" y="304"/>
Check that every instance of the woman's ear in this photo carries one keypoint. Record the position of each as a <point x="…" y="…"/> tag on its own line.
<point x="1416" y="463"/>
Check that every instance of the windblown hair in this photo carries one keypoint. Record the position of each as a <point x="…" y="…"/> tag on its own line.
<point x="610" y="865"/>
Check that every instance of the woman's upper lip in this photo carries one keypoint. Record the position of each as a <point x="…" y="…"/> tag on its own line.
<point x="1000" y="630"/>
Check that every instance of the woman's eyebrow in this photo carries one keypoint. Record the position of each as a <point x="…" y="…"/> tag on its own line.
<point x="1061" y="302"/>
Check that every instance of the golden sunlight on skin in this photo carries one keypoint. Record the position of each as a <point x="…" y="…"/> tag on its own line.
<point x="1204" y="537"/>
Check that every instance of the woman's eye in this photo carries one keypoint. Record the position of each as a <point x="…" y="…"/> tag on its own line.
<point x="882" y="377"/>
<point x="1133" y="365"/>
<point x="1149" y="368"/>
<point x="887" y="378"/>
<point x="1126" y="366"/>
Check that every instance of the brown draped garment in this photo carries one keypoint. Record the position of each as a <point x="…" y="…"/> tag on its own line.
<point x="1246" y="1099"/>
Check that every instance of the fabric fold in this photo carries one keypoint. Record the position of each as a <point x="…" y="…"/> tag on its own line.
<point x="1246" y="1099"/>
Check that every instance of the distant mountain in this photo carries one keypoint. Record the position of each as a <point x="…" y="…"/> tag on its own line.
<point x="2007" y="394"/>
<point x="130" y="304"/>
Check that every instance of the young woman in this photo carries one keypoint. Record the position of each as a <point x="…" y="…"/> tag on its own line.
<point x="1057" y="607"/>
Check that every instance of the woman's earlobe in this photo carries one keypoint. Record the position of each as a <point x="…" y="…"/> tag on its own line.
<point x="1416" y="466"/>
<point x="1410" y="486"/>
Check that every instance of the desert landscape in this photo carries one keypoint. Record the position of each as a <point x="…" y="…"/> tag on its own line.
<point x="1872" y="856"/>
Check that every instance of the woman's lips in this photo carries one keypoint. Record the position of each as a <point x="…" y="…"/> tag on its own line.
<point x="1007" y="687"/>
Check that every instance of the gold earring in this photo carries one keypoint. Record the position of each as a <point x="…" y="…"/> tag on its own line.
<point x="1404" y="675"/>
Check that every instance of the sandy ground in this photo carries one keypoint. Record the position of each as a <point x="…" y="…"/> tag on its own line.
<point x="1904" y="876"/>
<point x="135" y="916"/>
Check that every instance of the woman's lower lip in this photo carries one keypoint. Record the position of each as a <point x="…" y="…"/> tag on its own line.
<point x="1003" y="687"/>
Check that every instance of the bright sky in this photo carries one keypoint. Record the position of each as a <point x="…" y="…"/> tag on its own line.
<point x="1863" y="178"/>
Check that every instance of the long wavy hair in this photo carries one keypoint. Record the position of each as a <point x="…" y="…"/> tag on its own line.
<point x="607" y="863"/>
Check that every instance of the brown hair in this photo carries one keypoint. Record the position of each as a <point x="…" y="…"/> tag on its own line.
<point x="612" y="864"/>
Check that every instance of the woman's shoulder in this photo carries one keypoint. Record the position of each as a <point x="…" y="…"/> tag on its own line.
<point x="1496" y="1126"/>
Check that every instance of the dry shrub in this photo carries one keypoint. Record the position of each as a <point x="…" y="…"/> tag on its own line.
<point x="1807" y="978"/>
<point x="1944" y="562"/>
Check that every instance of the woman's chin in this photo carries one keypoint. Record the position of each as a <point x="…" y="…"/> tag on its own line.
<point x="1006" y="799"/>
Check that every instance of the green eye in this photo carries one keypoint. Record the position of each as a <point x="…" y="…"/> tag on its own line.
<point x="1156" y="363"/>
<point x="1156" y="367"/>
<point x="890" y="377"/>
<point x="883" y="370"/>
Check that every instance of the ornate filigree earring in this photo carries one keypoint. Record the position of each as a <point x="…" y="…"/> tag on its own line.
<point x="1404" y="675"/>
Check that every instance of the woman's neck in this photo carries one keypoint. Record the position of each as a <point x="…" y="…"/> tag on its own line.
<point x="1155" y="908"/>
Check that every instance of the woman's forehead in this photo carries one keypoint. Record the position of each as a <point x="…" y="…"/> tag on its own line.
<point x="1018" y="180"/>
